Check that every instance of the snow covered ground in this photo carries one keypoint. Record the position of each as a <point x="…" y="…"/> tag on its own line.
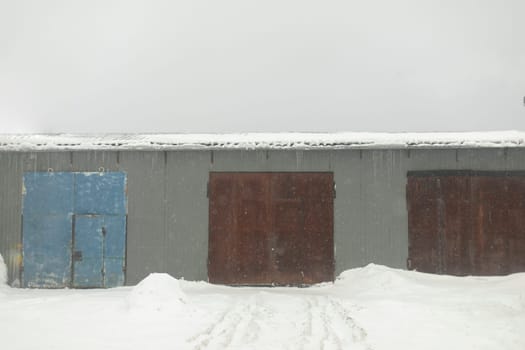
<point x="367" y="308"/>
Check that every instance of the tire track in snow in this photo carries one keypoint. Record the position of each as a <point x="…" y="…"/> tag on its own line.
<point x="226" y="330"/>
<point x="203" y="338"/>
<point x="318" y="332"/>
<point x="320" y="322"/>
<point x="306" y="333"/>
<point x="330" y="326"/>
<point x="332" y="339"/>
<point x="342" y="314"/>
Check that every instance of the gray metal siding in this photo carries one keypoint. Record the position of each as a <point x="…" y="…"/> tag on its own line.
<point x="10" y="212"/>
<point x="95" y="161"/>
<point x="146" y="236"/>
<point x="370" y="218"/>
<point x="482" y="159"/>
<point x="187" y="214"/>
<point x="168" y="207"/>
<point x="350" y="243"/>
<point x="383" y="203"/>
<point x="273" y="160"/>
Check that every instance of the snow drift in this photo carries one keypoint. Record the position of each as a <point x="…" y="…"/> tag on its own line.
<point x="3" y="272"/>
<point x="157" y="292"/>
<point x="3" y="278"/>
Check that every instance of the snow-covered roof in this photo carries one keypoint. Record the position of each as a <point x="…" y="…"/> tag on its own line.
<point x="342" y="140"/>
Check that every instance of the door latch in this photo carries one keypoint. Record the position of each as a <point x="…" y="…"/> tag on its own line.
<point x="77" y="255"/>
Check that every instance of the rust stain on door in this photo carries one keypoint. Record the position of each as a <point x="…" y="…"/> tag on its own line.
<point x="271" y="228"/>
<point x="466" y="223"/>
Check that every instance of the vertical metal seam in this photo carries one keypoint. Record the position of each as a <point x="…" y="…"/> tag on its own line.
<point x="408" y="210"/>
<point x="209" y="226"/>
<point x="362" y="219"/>
<point x="165" y="213"/>
<point x="332" y="229"/>
<point x="471" y="254"/>
<point x="73" y="239"/>
<point x="103" y="229"/>
<point x="441" y="228"/>
<point x="270" y="220"/>
<point x="125" y="267"/>
<point x="21" y="267"/>
<point x="73" y="228"/>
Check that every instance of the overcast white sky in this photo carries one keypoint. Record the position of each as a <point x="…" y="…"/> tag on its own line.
<point x="273" y="65"/>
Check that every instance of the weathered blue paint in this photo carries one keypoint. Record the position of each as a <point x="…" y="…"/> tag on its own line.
<point x="114" y="250"/>
<point x="74" y="229"/>
<point x="47" y="223"/>
<point x="101" y="244"/>
<point x="47" y="251"/>
<point x="88" y="269"/>
<point x="100" y="193"/>
<point x="48" y="193"/>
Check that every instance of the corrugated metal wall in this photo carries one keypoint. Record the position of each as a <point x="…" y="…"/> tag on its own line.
<point x="168" y="207"/>
<point x="10" y="211"/>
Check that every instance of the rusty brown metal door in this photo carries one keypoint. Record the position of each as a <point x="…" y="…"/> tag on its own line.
<point x="270" y="228"/>
<point x="466" y="223"/>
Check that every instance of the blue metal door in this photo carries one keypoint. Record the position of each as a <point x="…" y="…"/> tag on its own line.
<point x="100" y="229"/>
<point x="46" y="235"/>
<point x="74" y="229"/>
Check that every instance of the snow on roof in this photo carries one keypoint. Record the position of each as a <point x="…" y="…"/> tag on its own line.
<point x="342" y="140"/>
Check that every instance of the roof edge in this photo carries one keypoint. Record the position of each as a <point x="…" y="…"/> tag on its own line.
<point x="263" y="141"/>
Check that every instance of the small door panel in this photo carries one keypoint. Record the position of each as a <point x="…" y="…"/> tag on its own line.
<point x="114" y="250"/>
<point x="88" y="268"/>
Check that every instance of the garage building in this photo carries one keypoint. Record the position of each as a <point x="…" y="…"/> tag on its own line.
<point x="87" y="211"/>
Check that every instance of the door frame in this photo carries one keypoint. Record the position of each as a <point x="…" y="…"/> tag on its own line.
<point x="73" y="213"/>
